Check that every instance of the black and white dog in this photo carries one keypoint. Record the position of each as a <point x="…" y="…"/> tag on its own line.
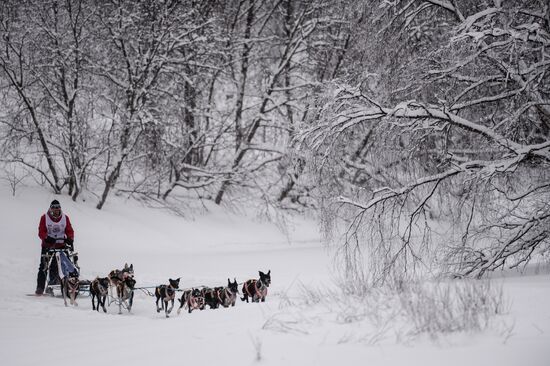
<point x="228" y="295"/>
<point x="167" y="293"/>
<point x="257" y="289"/>
<point x="70" y="285"/>
<point x="193" y="299"/>
<point x="99" y="288"/>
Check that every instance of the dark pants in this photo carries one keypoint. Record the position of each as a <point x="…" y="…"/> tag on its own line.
<point x="41" y="276"/>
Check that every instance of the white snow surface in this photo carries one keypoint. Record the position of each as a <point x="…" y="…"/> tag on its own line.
<point x="207" y="250"/>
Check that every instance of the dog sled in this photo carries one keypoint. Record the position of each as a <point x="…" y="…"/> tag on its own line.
<point x="62" y="274"/>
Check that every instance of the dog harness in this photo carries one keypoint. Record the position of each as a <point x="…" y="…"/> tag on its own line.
<point x="169" y="292"/>
<point x="73" y="284"/>
<point x="125" y="290"/>
<point x="228" y="296"/>
<point x="255" y="282"/>
<point x="260" y="289"/>
<point x="98" y="286"/>
<point x="194" y="302"/>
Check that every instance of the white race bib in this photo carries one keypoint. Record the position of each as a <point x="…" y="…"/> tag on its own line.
<point x="56" y="229"/>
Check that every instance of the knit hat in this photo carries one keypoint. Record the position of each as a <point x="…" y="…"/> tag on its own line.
<point x="55" y="203"/>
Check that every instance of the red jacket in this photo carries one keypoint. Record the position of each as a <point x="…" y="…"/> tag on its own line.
<point x="43" y="231"/>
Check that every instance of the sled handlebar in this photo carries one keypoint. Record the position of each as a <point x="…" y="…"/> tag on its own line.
<point x="58" y="250"/>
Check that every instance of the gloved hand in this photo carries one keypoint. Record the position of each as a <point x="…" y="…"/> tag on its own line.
<point x="69" y="243"/>
<point x="49" y="240"/>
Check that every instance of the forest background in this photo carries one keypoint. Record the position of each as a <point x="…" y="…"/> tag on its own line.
<point x="417" y="131"/>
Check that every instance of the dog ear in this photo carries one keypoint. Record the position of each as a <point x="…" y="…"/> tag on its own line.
<point x="261" y="274"/>
<point x="228" y="282"/>
<point x="131" y="267"/>
<point x="235" y="279"/>
<point x="269" y="273"/>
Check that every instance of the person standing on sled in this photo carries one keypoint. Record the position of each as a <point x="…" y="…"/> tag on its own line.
<point x="56" y="232"/>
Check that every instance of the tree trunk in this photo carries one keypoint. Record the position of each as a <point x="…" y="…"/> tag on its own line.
<point x="110" y="183"/>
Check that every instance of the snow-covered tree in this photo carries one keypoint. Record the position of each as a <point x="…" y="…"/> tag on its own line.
<point x="443" y="155"/>
<point x="42" y="61"/>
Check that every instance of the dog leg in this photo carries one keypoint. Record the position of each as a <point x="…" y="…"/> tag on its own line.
<point x="64" y="290"/>
<point x="157" y="303"/>
<point x="119" y="297"/>
<point x="171" y="306"/>
<point x="131" y="301"/>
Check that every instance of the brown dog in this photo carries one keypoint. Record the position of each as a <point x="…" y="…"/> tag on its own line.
<point x="118" y="275"/>
<point x="70" y="285"/>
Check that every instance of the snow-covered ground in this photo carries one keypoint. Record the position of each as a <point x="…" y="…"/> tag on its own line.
<point x="207" y="250"/>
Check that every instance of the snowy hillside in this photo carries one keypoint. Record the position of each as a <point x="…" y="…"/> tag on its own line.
<point x="206" y="251"/>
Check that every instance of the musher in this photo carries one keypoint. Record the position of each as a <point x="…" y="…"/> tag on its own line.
<point x="56" y="232"/>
